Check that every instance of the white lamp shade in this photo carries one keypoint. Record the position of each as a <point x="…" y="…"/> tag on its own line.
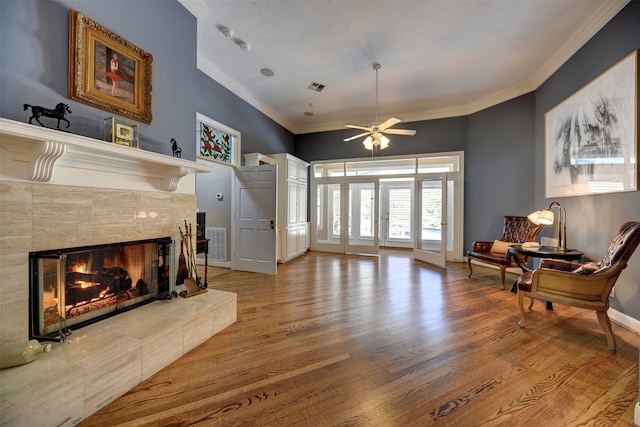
<point x="544" y="217"/>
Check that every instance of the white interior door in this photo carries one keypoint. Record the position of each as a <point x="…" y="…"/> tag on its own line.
<point x="254" y="217"/>
<point x="362" y="216"/>
<point x="430" y="229"/>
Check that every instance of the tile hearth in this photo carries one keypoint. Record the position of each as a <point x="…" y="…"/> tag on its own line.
<point x="102" y="361"/>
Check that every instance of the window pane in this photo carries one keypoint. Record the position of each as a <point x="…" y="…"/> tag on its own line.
<point x="400" y="213"/>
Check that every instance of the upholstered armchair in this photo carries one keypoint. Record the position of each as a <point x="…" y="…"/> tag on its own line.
<point x="585" y="285"/>
<point x="516" y="231"/>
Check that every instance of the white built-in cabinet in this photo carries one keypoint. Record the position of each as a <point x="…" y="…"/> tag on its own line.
<point x="291" y="222"/>
<point x="292" y="227"/>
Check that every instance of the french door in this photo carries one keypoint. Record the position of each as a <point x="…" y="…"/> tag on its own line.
<point x="346" y="216"/>
<point x="421" y="205"/>
<point x="396" y="212"/>
<point x="431" y="219"/>
<point x="362" y="214"/>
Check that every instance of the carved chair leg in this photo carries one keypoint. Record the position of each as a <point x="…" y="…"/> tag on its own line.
<point x="531" y="303"/>
<point x="470" y="269"/>
<point x="605" y="324"/>
<point x="521" y="305"/>
<point x="503" y="269"/>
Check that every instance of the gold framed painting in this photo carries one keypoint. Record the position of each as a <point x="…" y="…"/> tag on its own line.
<point x="108" y="72"/>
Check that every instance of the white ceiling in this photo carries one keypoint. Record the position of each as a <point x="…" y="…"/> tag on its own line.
<point x="439" y="58"/>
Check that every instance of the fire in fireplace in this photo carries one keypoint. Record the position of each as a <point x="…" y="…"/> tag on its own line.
<point x="71" y="288"/>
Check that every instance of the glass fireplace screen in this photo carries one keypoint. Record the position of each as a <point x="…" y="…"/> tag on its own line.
<point x="71" y="288"/>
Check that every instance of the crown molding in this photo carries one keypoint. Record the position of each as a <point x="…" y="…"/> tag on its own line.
<point x="598" y="20"/>
<point x="196" y="7"/>
<point x="228" y="83"/>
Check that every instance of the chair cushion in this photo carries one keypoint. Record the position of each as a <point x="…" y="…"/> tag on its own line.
<point x="524" y="282"/>
<point x="490" y="257"/>
<point x="500" y="247"/>
<point x="587" y="268"/>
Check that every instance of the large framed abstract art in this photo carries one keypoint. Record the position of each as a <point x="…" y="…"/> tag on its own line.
<point x="108" y="72"/>
<point x="217" y="142"/>
<point x="591" y="138"/>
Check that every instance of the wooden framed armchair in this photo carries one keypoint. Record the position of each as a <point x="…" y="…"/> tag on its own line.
<point x="516" y="230"/>
<point x="585" y="285"/>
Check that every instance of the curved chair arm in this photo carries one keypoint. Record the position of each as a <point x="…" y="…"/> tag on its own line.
<point x="481" y="246"/>
<point x="575" y="286"/>
<point x="559" y="264"/>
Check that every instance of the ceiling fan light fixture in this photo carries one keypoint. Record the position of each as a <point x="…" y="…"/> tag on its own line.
<point x="384" y="142"/>
<point x="375" y="131"/>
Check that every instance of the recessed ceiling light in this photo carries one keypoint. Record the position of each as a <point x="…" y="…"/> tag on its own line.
<point x="244" y="46"/>
<point x="316" y="87"/>
<point x="224" y="30"/>
<point x="267" y="72"/>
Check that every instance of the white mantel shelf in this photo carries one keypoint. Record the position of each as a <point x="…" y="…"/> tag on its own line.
<point x="39" y="154"/>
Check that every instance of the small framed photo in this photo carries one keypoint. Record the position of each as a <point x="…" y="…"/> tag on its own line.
<point x="121" y="132"/>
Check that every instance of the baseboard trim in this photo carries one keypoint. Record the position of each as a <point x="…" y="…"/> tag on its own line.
<point x="624" y="320"/>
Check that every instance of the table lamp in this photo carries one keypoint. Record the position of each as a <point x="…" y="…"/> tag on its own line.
<point x="546" y="217"/>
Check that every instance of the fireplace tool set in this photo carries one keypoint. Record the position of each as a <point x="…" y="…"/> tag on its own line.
<point x="187" y="272"/>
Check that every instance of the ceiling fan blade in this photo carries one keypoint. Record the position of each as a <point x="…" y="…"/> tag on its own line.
<point x="400" y="132"/>
<point x="356" y="137"/>
<point x="390" y="122"/>
<point x="356" y="127"/>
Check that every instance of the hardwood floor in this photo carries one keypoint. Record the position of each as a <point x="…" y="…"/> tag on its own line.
<point x="341" y="340"/>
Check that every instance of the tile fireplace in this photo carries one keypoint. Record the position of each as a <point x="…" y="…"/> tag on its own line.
<point x="63" y="196"/>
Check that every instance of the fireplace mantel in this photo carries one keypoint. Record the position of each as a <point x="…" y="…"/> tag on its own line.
<point x="38" y="154"/>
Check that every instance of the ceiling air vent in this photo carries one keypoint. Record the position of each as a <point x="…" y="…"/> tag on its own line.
<point x="316" y="87"/>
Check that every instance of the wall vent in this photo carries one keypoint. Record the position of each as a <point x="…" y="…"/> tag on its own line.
<point x="217" y="243"/>
<point x="316" y="87"/>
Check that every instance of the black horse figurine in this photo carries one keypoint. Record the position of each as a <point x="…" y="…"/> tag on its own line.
<point x="177" y="151"/>
<point x="57" y="113"/>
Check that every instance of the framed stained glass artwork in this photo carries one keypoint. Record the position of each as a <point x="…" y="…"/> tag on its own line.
<point x="217" y="142"/>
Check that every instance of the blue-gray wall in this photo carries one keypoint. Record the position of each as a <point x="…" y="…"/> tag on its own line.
<point x="592" y="221"/>
<point x="499" y="167"/>
<point x="498" y="146"/>
<point x="258" y="134"/>
<point x="34" y="62"/>
<point x="432" y="136"/>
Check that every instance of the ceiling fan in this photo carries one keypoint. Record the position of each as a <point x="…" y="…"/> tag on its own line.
<point x="376" y="131"/>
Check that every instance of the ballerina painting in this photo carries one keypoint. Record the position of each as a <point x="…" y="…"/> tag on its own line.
<point x="115" y="73"/>
<point x="108" y="72"/>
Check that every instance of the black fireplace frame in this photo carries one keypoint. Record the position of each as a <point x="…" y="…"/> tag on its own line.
<point x="165" y="288"/>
